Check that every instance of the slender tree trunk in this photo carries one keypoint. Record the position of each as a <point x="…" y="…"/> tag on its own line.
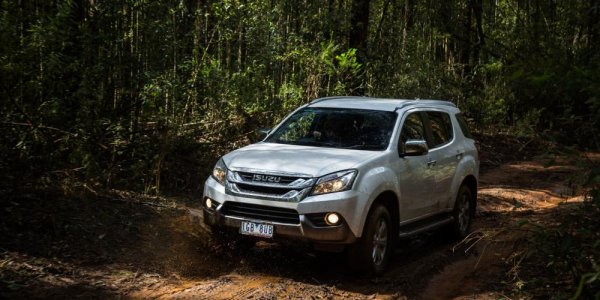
<point x="593" y="24"/>
<point x="446" y="24"/>
<point x="477" y="12"/>
<point x="330" y="19"/>
<point x="409" y="20"/>
<point x="384" y="12"/>
<point x="358" y="39"/>
<point x="466" y="40"/>
<point x="359" y="28"/>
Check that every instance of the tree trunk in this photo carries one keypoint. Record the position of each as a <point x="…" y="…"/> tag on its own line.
<point x="330" y="19"/>
<point x="409" y="20"/>
<point x="477" y="12"/>
<point x="359" y="30"/>
<point x="466" y="40"/>
<point x="359" y="34"/>
<point x="384" y="12"/>
<point x="594" y="18"/>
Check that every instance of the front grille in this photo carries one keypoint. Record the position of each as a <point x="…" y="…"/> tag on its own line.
<point x="269" y="186"/>
<point x="260" y="212"/>
<point x="250" y="177"/>
<point x="272" y="190"/>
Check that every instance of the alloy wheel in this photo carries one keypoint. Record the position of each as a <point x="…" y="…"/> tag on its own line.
<point x="380" y="241"/>
<point x="464" y="212"/>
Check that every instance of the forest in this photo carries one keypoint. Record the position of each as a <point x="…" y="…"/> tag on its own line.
<point x="142" y="97"/>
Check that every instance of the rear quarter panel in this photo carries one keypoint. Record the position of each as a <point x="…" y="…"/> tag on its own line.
<point x="468" y="165"/>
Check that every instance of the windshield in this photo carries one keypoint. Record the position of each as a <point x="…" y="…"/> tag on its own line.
<point x="337" y="128"/>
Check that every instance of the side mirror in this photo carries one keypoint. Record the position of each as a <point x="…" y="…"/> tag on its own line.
<point x="415" y="148"/>
<point x="262" y="133"/>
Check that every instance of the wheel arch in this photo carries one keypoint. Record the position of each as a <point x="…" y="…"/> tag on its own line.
<point x="389" y="200"/>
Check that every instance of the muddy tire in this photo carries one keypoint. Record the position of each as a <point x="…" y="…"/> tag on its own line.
<point x="373" y="251"/>
<point x="463" y="213"/>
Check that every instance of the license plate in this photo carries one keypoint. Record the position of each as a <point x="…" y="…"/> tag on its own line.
<point x="256" y="229"/>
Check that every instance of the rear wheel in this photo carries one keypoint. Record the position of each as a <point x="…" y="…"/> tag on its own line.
<point x="373" y="251"/>
<point x="463" y="212"/>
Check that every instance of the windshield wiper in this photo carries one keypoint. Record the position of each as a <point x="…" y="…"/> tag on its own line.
<point x="309" y="143"/>
<point x="326" y="144"/>
<point x="364" y="147"/>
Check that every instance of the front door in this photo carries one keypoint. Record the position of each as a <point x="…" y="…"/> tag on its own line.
<point x="417" y="181"/>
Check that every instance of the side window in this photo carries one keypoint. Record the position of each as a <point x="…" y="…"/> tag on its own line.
<point x="412" y="129"/>
<point x="441" y="128"/>
<point x="463" y="126"/>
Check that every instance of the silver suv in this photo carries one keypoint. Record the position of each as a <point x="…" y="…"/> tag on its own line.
<point x="351" y="173"/>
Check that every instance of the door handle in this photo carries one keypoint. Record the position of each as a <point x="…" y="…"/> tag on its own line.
<point x="431" y="163"/>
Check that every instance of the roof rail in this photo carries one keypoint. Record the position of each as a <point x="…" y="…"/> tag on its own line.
<point x="420" y="101"/>
<point x="337" y="97"/>
<point x="407" y="103"/>
<point x="404" y="103"/>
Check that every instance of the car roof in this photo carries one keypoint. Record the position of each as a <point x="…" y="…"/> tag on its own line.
<point x="384" y="104"/>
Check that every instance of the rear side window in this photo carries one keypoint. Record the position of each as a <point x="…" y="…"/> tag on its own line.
<point x="441" y="128"/>
<point x="463" y="126"/>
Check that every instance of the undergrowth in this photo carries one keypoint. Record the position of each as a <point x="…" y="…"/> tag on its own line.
<point x="562" y="255"/>
<point x="556" y="254"/>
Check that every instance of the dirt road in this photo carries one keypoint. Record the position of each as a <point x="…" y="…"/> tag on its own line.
<point x="104" y="249"/>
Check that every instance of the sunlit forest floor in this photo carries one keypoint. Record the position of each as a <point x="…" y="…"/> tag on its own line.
<point x="115" y="244"/>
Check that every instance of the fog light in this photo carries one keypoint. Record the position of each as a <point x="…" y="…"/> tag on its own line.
<point x="332" y="219"/>
<point x="209" y="203"/>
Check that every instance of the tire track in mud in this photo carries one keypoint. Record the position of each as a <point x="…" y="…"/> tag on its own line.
<point x="507" y="193"/>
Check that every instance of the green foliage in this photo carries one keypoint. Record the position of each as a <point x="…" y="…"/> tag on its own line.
<point x="569" y="249"/>
<point x="107" y="89"/>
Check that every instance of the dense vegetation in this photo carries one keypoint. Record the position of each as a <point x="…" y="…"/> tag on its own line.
<point x="128" y="93"/>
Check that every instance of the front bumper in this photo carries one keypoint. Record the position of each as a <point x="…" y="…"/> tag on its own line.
<point x="305" y="229"/>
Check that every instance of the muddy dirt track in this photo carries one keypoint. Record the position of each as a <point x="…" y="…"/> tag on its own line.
<point x="99" y="248"/>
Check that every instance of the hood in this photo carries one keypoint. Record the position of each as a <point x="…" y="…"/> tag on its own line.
<point x="306" y="160"/>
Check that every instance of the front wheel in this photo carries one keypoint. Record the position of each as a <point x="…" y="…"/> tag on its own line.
<point x="373" y="251"/>
<point x="463" y="212"/>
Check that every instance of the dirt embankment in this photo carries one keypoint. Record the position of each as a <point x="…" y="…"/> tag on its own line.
<point x="52" y="247"/>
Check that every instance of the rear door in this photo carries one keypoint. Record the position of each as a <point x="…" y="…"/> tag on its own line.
<point x="444" y="154"/>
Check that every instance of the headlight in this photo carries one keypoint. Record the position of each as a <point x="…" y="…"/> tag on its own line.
<point x="335" y="182"/>
<point x="219" y="171"/>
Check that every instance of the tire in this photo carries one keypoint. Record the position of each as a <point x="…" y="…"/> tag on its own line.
<point x="372" y="252"/>
<point x="463" y="213"/>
